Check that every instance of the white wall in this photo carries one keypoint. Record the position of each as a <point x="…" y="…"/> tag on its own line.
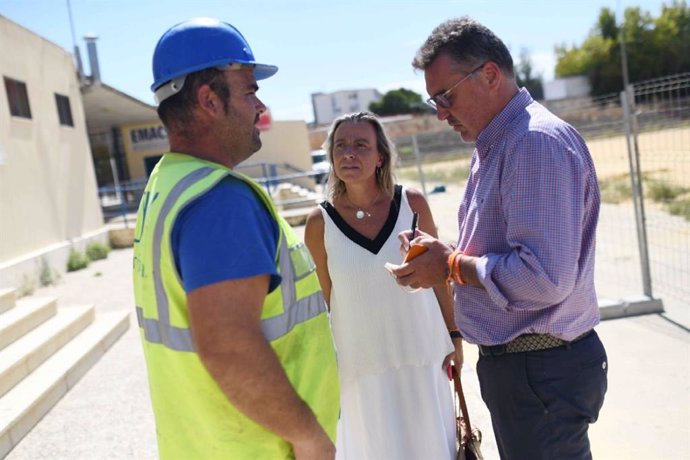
<point x="329" y="106"/>
<point x="48" y="195"/>
<point x="565" y="88"/>
<point x="285" y="142"/>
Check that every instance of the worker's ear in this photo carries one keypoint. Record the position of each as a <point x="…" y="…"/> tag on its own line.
<point x="208" y="101"/>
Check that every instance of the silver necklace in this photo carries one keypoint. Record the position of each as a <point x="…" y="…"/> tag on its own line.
<point x="361" y="213"/>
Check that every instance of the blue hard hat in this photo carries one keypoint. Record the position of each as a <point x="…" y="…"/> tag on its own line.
<point x="199" y="44"/>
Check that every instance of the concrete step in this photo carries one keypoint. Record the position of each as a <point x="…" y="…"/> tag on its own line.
<point x="307" y="202"/>
<point x="24" y="355"/>
<point x="629" y="306"/>
<point x="296" y="217"/>
<point x="8" y="297"/>
<point x="28" y="313"/>
<point x="23" y="406"/>
<point x="291" y="196"/>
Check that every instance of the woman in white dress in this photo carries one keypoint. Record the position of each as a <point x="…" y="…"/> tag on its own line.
<point x="393" y="346"/>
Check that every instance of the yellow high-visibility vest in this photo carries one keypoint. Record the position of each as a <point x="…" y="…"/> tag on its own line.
<point x="194" y="418"/>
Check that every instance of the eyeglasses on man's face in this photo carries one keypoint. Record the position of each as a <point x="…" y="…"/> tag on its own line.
<point x="442" y="100"/>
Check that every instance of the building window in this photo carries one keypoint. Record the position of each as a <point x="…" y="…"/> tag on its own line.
<point x="18" y="98"/>
<point x="64" y="110"/>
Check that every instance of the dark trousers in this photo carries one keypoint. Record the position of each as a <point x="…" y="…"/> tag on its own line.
<point x="542" y="402"/>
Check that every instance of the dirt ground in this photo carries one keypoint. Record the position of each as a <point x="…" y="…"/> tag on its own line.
<point x="665" y="155"/>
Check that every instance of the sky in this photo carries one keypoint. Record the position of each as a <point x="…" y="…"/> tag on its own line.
<point x="319" y="46"/>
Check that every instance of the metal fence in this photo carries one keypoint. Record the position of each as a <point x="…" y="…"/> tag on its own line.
<point x="661" y="140"/>
<point x="640" y="143"/>
<point x="289" y="186"/>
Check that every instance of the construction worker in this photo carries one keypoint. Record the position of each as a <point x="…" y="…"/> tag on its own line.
<point x="240" y="357"/>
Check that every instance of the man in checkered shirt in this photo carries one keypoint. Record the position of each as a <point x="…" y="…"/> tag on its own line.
<point x="523" y="271"/>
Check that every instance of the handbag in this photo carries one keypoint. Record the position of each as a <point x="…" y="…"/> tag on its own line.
<point x="469" y="439"/>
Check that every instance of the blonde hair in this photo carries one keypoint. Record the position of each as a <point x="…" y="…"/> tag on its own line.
<point x="385" y="179"/>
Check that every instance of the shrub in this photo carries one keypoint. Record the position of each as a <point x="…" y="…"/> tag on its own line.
<point x="405" y="151"/>
<point x="452" y="174"/>
<point x="47" y="276"/>
<point x="680" y="208"/>
<point x="615" y="189"/>
<point x="97" y="251"/>
<point x="77" y="260"/>
<point x="27" y="287"/>
<point x="664" y="192"/>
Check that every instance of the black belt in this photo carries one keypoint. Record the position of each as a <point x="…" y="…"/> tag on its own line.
<point x="528" y="342"/>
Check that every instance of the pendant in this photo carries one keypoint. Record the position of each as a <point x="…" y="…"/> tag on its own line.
<point x="360" y="214"/>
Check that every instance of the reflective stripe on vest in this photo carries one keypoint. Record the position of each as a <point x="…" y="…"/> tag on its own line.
<point x="160" y="330"/>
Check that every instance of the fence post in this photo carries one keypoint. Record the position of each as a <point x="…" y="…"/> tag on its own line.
<point x="628" y="101"/>
<point x="418" y="160"/>
<point x="264" y="174"/>
<point x="272" y="173"/>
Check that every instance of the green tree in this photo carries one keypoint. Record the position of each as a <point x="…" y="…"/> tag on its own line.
<point x="654" y="48"/>
<point x="639" y="31"/>
<point x="524" y="76"/>
<point x="399" y="101"/>
<point x="598" y="57"/>
<point x="606" y="24"/>
<point x="673" y="35"/>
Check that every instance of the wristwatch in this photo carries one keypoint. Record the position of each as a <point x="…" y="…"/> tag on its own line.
<point x="455" y="334"/>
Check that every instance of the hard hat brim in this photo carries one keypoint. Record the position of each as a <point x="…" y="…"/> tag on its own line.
<point x="261" y="72"/>
<point x="172" y="87"/>
<point x="264" y="71"/>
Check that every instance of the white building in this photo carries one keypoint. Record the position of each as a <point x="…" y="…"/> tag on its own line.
<point x="329" y="106"/>
<point x="52" y="120"/>
<point x="566" y="88"/>
<point x="48" y="196"/>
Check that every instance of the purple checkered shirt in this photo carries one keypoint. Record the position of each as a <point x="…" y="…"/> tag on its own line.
<point x="530" y="214"/>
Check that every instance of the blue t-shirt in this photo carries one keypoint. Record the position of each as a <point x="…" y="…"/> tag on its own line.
<point x="225" y="234"/>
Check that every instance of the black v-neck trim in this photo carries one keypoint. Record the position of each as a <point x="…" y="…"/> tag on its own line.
<point x="375" y="245"/>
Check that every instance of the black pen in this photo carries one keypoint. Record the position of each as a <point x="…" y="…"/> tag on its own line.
<point x="415" y="217"/>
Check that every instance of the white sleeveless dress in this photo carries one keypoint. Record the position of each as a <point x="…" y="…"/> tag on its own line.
<point x="396" y="401"/>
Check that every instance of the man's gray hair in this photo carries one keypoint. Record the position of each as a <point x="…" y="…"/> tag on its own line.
<point x="466" y="41"/>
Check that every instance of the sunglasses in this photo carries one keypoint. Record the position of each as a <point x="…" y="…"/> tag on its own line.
<point x="442" y="100"/>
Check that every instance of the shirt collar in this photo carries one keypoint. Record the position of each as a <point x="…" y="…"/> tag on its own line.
<point x="497" y="126"/>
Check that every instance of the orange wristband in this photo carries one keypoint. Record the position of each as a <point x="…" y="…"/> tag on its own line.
<point x="458" y="269"/>
<point x="451" y="266"/>
<point x="454" y="273"/>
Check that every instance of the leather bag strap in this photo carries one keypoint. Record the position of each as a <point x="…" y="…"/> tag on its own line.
<point x="463" y="404"/>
